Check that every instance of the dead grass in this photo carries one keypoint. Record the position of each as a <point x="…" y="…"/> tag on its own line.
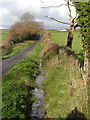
<point x="50" y="48"/>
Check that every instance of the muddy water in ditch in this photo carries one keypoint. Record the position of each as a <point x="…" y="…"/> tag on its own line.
<point x="38" y="105"/>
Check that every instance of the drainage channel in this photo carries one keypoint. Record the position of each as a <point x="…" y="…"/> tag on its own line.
<point x="38" y="105"/>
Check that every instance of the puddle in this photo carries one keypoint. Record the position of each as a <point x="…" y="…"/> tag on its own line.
<point x="38" y="105"/>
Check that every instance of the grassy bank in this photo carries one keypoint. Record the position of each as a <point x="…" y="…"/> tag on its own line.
<point x="64" y="88"/>
<point x="65" y="92"/>
<point x="16" y="49"/>
<point x="18" y="84"/>
<point x="61" y="39"/>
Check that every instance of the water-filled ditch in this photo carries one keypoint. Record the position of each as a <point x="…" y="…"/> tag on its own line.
<point x="38" y="105"/>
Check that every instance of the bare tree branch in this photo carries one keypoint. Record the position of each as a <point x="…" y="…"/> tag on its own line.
<point x="74" y="19"/>
<point x="68" y="4"/>
<point x="76" y="26"/>
<point x="57" y="6"/>
<point x="69" y="14"/>
<point x="57" y="20"/>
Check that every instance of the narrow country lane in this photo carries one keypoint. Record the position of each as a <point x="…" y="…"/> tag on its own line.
<point x="8" y="63"/>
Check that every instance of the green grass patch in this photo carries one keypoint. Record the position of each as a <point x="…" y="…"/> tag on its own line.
<point x="64" y="88"/>
<point x="16" y="49"/>
<point x="66" y="95"/>
<point x="18" y="84"/>
<point x="3" y="34"/>
<point x="61" y="39"/>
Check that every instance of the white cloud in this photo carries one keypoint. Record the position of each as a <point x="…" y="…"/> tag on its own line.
<point x="12" y="10"/>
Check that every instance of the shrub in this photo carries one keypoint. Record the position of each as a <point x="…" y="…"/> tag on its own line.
<point x="20" y="34"/>
<point x="25" y="29"/>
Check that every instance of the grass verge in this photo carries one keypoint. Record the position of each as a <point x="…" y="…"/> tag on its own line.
<point x="64" y="88"/>
<point x="16" y="49"/>
<point x="18" y="84"/>
<point x="66" y="96"/>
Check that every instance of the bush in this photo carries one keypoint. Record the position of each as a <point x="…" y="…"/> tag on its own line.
<point x="25" y="29"/>
<point x="7" y="46"/>
<point x="23" y="33"/>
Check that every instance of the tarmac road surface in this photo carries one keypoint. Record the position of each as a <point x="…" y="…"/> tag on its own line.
<point x="8" y="63"/>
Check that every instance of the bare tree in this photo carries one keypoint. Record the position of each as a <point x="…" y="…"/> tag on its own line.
<point x="73" y="21"/>
<point x="27" y="18"/>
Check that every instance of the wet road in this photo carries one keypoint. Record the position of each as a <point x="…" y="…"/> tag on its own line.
<point x="10" y="62"/>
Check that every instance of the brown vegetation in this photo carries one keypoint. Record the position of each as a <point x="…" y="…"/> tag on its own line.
<point x="25" y="29"/>
<point x="20" y="33"/>
<point x="51" y="48"/>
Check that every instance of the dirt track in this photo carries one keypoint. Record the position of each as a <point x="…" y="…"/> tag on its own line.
<point x="10" y="62"/>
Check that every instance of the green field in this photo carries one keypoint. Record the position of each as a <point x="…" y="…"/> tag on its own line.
<point x="61" y="39"/>
<point x="3" y="34"/>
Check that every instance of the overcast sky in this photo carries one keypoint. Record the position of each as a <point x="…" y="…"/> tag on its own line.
<point x="11" y="10"/>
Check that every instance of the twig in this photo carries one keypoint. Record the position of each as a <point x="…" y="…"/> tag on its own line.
<point x="57" y="20"/>
<point x="57" y="6"/>
<point x="76" y="26"/>
<point x="69" y="9"/>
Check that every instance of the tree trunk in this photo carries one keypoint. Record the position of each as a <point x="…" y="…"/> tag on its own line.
<point x="86" y="69"/>
<point x="70" y="35"/>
